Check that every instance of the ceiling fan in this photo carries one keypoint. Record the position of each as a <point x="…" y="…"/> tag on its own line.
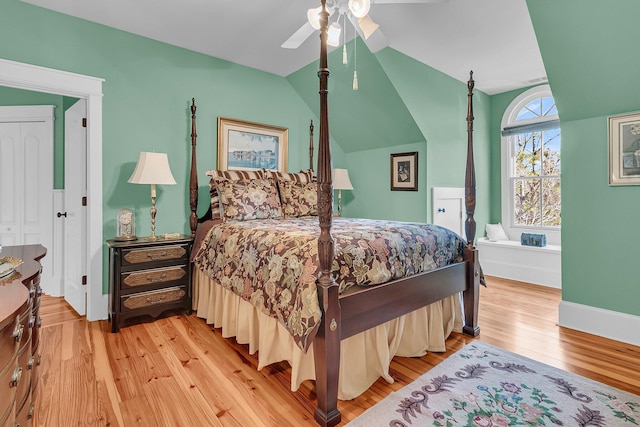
<point x="357" y="12"/>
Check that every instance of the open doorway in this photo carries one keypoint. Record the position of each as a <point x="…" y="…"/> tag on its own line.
<point x="35" y="78"/>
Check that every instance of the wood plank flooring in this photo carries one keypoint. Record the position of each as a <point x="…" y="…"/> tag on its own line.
<point x="175" y="371"/>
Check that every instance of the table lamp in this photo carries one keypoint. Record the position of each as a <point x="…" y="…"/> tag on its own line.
<point x="341" y="182"/>
<point x="152" y="168"/>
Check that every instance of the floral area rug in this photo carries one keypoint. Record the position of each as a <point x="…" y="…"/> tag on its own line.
<point x="485" y="386"/>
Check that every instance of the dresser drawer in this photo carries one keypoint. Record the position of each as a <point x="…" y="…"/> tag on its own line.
<point x="6" y="420"/>
<point x="175" y="294"/>
<point x="8" y="388"/>
<point x="162" y="253"/>
<point x="156" y="276"/>
<point x="10" y="336"/>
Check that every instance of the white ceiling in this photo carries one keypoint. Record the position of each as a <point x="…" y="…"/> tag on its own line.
<point x="495" y="38"/>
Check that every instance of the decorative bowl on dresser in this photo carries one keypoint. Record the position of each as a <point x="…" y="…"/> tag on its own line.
<point x="19" y="335"/>
<point x="148" y="277"/>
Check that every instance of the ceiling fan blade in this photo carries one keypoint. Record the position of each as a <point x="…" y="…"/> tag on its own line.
<point x="376" y="39"/>
<point x="406" y="1"/>
<point x="298" y="37"/>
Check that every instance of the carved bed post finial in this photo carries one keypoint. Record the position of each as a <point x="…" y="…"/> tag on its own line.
<point x="193" y="181"/>
<point x="311" y="146"/>
<point x="470" y="176"/>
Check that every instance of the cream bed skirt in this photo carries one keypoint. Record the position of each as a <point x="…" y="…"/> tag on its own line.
<point x="414" y="334"/>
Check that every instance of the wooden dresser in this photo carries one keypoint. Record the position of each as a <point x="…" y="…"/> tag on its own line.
<point x="148" y="278"/>
<point x="19" y="336"/>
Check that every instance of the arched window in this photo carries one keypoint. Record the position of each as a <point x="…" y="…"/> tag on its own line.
<point x="531" y="165"/>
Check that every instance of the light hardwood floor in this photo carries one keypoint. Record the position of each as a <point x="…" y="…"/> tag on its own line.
<point x="175" y="371"/>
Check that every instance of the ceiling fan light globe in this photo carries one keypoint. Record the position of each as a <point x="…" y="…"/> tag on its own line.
<point x="359" y="8"/>
<point x="333" y="35"/>
<point x="313" y="15"/>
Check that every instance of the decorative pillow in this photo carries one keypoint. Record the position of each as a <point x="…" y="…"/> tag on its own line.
<point x="298" y="199"/>
<point x="232" y="175"/>
<point x="245" y="199"/>
<point x="495" y="232"/>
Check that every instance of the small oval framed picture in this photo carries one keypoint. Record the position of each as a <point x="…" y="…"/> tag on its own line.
<point x="404" y="171"/>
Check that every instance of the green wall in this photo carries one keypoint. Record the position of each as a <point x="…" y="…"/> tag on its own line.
<point x="438" y="104"/>
<point x="402" y="106"/>
<point x="588" y="49"/>
<point x="12" y="96"/>
<point x="147" y="91"/>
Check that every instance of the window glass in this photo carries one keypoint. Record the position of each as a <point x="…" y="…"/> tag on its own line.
<point x="533" y="180"/>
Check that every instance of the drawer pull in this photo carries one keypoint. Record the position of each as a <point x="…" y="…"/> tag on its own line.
<point x="157" y="256"/>
<point x="153" y="279"/>
<point x="15" y="378"/>
<point x="31" y="409"/>
<point x="39" y="360"/>
<point x="30" y="362"/>
<point x="17" y="332"/>
<point x="156" y="300"/>
<point x="39" y="321"/>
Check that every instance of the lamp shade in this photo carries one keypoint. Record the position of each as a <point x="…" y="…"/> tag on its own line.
<point x="341" y="180"/>
<point x="152" y="168"/>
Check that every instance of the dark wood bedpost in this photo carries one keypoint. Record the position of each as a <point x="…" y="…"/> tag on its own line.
<point x="193" y="181"/>
<point x="472" y="295"/>
<point x="326" y="345"/>
<point x="311" y="146"/>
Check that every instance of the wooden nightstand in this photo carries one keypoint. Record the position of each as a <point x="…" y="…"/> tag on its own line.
<point x="148" y="277"/>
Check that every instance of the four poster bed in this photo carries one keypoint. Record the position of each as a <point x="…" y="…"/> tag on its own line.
<point x="336" y="302"/>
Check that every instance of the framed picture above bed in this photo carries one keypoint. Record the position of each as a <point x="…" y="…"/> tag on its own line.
<point x="404" y="171"/>
<point x="624" y="150"/>
<point x="247" y="145"/>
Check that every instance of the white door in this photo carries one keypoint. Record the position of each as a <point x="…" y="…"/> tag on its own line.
<point x="26" y="179"/>
<point x="75" y="189"/>
<point x="448" y="206"/>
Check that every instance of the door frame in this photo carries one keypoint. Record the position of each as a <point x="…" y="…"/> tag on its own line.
<point x="41" y="79"/>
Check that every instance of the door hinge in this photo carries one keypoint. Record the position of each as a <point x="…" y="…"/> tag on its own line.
<point x="84" y="280"/>
<point x="84" y="200"/>
<point x="84" y="122"/>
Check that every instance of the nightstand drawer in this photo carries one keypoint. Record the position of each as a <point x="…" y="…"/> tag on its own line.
<point x="153" y="298"/>
<point x="155" y="276"/>
<point x="164" y="253"/>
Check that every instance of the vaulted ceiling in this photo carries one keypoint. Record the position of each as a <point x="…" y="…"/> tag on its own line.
<point x="494" y="37"/>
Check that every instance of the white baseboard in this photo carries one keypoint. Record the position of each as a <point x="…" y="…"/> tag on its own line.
<point x="102" y="310"/>
<point x="598" y="321"/>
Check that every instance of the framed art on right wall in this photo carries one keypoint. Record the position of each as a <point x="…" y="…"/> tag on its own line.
<point x="624" y="149"/>
<point x="404" y="171"/>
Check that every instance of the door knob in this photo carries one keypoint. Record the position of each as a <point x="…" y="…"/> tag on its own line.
<point x="59" y="214"/>
<point x="441" y="210"/>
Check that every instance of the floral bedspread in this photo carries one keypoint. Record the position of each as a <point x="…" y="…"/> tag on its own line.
<point x="273" y="263"/>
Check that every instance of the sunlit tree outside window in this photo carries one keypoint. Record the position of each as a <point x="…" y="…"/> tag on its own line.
<point x="535" y="180"/>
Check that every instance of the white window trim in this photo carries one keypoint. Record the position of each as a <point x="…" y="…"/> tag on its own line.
<point x="509" y="119"/>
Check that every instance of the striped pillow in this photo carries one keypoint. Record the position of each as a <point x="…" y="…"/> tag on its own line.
<point x="232" y="175"/>
<point x="301" y="177"/>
